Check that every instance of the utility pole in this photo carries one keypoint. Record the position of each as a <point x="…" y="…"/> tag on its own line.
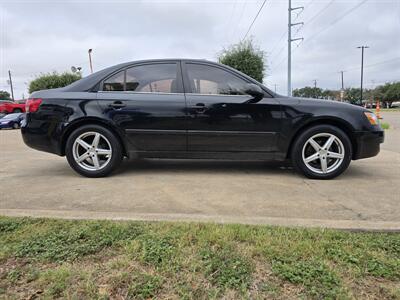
<point x="342" y="90"/>
<point x="11" y="85"/>
<point x="90" y="60"/>
<point x="315" y="88"/>
<point x="341" y="72"/>
<point x="290" y="40"/>
<point x="362" y="70"/>
<point x="275" y="87"/>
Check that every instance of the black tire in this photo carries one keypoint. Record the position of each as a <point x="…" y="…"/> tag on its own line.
<point x="116" y="148"/>
<point x="15" y="126"/>
<point x="17" y="110"/>
<point x="301" y="140"/>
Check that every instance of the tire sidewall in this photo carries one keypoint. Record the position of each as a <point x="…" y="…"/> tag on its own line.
<point x="297" y="157"/>
<point x="116" y="148"/>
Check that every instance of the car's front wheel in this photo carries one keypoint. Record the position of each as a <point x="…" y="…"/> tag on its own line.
<point x="93" y="151"/>
<point x="322" y="152"/>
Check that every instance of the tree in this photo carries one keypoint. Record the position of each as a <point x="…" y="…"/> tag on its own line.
<point x="245" y="57"/>
<point x="53" y="80"/>
<point x="309" y="92"/>
<point x="4" y="95"/>
<point x="352" y="95"/>
<point x="392" y="93"/>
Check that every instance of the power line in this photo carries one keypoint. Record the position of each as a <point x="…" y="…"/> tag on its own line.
<point x="255" y="18"/>
<point x="323" y="29"/>
<point x="240" y="17"/>
<point x="230" y="20"/>
<point x="309" y="21"/>
<point x="374" y="64"/>
<point x="337" y="20"/>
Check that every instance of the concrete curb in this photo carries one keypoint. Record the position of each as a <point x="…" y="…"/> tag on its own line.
<point x="353" y="225"/>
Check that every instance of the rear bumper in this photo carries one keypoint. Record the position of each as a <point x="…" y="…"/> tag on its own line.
<point x="368" y="143"/>
<point x="41" y="136"/>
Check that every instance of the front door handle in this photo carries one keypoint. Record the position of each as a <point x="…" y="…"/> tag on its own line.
<point x="199" y="106"/>
<point x="117" y="104"/>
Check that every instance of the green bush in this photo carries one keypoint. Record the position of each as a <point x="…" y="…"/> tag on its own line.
<point x="385" y="125"/>
<point x="52" y="81"/>
<point x="245" y="57"/>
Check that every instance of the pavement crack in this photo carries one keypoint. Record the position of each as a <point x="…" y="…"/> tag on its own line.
<point x="359" y="216"/>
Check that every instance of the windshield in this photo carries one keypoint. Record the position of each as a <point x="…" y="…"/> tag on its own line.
<point x="11" y="116"/>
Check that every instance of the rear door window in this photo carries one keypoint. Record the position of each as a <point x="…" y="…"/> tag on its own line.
<point x="115" y="82"/>
<point x="149" y="78"/>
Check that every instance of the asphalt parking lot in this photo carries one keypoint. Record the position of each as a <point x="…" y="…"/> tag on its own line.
<point x="367" y="196"/>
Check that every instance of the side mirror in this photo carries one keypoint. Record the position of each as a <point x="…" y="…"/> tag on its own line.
<point x="255" y="91"/>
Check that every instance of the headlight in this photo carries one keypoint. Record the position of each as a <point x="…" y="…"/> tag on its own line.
<point x="373" y="120"/>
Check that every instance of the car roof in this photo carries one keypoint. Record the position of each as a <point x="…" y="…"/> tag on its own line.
<point x="89" y="82"/>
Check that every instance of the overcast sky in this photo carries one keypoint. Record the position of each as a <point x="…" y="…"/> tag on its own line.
<point x="44" y="36"/>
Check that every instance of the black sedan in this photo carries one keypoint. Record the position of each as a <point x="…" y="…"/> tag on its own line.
<point x="179" y="108"/>
<point x="11" y="121"/>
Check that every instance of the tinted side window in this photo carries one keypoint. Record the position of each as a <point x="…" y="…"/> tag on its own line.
<point x="115" y="82"/>
<point x="206" y="79"/>
<point x="155" y="78"/>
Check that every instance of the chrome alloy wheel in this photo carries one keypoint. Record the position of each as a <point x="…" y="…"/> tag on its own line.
<point x="323" y="153"/>
<point x="92" y="151"/>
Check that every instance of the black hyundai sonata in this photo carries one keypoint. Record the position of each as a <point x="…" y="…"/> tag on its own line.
<point x="179" y="108"/>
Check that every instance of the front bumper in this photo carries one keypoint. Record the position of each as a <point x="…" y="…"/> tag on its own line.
<point x="368" y="143"/>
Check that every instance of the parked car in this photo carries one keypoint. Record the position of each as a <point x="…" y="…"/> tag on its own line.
<point x="11" y="121"/>
<point x="12" y="107"/>
<point x="194" y="109"/>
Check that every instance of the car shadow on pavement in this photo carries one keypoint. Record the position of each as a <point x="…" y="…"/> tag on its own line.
<point x="207" y="167"/>
<point x="203" y="166"/>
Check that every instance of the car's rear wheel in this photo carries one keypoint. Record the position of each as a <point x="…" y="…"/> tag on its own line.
<point x="322" y="152"/>
<point x="15" y="126"/>
<point x="17" y="110"/>
<point x="93" y="151"/>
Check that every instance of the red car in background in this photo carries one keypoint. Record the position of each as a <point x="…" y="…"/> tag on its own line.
<point x="8" y="107"/>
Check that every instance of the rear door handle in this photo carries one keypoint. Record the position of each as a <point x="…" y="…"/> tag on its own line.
<point x="117" y="104"/>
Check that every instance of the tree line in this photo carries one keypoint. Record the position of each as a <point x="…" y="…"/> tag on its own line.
<point x="386" y="94"/>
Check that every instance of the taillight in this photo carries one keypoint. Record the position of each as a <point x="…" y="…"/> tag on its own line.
<point x="32" y="105"/>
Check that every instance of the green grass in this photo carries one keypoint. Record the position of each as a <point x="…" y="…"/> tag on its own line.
<point x="394" y="109"/>
<point x="385" y="125"/>
<point x="142" y="260"/>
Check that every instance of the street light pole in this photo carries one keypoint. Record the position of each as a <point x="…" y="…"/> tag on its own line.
<point x="11" y="85"/>
<point x="90" y="60"/>
<point x="362" y="70"/>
